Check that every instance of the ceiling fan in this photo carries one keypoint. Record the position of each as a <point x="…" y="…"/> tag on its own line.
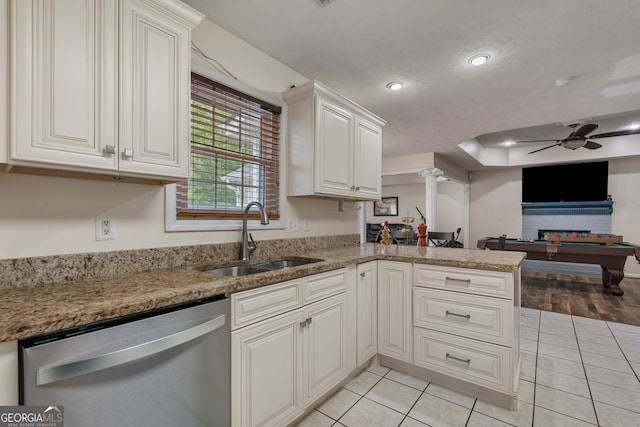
<point x="581" y="138"/>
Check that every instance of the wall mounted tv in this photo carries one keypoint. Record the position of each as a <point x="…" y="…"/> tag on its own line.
<point x="575" y="182"/>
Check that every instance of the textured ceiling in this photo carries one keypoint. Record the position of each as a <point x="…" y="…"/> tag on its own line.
<point x="357" y="46"/>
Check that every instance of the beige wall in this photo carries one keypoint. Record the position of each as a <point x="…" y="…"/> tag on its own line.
<point x="495" y="197"/>
<point x="46" y="215"/>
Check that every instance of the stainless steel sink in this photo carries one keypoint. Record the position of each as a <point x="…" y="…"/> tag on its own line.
<point x="286" y="263"/>
<point x="237" y="270"/>
<point x="244" y="269"/>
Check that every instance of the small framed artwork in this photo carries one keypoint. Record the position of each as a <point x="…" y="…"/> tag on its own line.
<point x="387" y="206"/>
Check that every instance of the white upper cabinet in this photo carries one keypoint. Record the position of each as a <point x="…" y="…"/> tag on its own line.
<point x="101" y="86"/>
<point x="368" y="156"/>
<point x="335" y="146"/>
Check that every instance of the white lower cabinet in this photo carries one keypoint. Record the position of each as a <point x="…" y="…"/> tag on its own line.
<point x="266" y="366"/>
<point x="367" y="311"/>
<point x="325" y="346"/>
<point x="394" y="310"/>
<point x="284" y="362"/>
<point x="293" y="342"/>
<point x="482" y="363"/>
<point x="466" y="325"/>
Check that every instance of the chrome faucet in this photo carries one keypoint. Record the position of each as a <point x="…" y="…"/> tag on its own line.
<point x="248" y="244"/>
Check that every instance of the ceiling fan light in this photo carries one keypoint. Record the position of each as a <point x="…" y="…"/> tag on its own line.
<point x="574" y="144"/>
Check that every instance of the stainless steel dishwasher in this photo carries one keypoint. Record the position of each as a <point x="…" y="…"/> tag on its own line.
<point x="168" y="368"/>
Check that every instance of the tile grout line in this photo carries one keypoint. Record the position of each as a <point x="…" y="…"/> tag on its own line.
<point x="593" y="404"/>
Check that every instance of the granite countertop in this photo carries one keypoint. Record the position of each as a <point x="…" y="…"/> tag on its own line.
<point x="36" y="310"/>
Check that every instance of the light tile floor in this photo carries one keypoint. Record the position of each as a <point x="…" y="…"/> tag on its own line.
<point x="575" y="372"/>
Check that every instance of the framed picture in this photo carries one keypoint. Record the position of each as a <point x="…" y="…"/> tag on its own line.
<point x="387" y="206"/>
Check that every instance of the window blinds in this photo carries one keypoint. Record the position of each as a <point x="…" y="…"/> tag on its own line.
<point x="234" y="154"/>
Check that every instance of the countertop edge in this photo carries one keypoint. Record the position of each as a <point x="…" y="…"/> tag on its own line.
<point x="40" y="310"/>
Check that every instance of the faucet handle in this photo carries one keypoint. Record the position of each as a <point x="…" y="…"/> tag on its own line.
<point x="252" y="245"/>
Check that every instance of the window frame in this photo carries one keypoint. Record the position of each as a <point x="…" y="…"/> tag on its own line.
<point x="175" y="223"/>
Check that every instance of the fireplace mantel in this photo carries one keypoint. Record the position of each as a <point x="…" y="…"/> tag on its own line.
<point x="568" y="208"/>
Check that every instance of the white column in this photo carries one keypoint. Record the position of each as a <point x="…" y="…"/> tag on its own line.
<point x="362" y="222"/>
<point x="431" y="193"/>
<point x="466" y="219"/>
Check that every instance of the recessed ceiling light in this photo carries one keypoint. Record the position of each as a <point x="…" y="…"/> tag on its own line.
<point x="479" y="59"/>
<point x="508" y="143"/>
<point x="634" y="126"/>
<point x="395" y="85"/>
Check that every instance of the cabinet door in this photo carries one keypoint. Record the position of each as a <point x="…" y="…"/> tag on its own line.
<point x="367" y="311"/>
<point x="394" y="310"/>
<point x="333" y="149"/>
<point x="154" y="91"/>
<point x="368" y="160"/>
<point x="266" y="362"/>
<point x="325" y="346"/>
<point x="64" y="83"/>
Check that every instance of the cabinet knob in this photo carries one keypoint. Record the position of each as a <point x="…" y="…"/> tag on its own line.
<point x="109" y="149"/>
<point x="305" y="322"/>
<point x="363" y="274"/>
<point x="127" y="152"/>
<point x="358" y="188"/>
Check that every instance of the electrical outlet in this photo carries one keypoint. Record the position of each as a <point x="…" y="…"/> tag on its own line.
<point x="306" y="226"/>
<point x="292" y="225"/>
<point x="105" y="228"/>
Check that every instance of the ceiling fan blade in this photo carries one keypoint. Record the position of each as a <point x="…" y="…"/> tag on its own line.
<point x="616" y="133"/>
<point x="585" y="130"/>
<point x="592" y="145"/>
<point x="544" y="148"/>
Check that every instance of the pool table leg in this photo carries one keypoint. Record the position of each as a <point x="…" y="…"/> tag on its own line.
<point x="611" y="279"/>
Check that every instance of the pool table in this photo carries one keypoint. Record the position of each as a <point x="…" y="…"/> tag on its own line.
<point x="610" y="257"/>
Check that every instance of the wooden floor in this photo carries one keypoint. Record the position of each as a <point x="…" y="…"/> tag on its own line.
<point x="581" y="296"/>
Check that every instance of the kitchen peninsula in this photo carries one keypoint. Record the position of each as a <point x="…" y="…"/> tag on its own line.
<point x="450" y="315"/>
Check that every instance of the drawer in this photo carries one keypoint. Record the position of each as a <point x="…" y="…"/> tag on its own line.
<point x="480" y="282"/>
<point x="251" y="306"/>
<point x="323" y="285"/>
<point x="468" y="360"/>
<point x="472" y="316"/>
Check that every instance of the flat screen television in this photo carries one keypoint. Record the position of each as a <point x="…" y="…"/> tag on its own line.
<point x="575" y="182"/>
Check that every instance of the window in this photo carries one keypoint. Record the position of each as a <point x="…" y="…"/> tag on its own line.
<point x="234" y="154"/>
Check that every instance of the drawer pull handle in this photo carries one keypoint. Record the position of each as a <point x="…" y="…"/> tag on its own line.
<point x="450" y="313"/>
<point x="453" y="279"/>
<point x="467" y="361"/>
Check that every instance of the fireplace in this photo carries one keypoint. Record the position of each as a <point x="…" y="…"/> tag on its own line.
<point x="594" y="217"/>
<point x="542" y="233"/>
<point x="579" y="217"/>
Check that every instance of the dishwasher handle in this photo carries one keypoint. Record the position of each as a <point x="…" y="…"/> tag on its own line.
<point x="51" y="374"/>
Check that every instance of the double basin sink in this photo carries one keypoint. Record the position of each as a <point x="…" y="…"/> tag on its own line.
<point x="263" y="267"/>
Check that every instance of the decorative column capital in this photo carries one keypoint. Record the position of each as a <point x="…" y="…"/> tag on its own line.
<point x="429" y="172"/>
